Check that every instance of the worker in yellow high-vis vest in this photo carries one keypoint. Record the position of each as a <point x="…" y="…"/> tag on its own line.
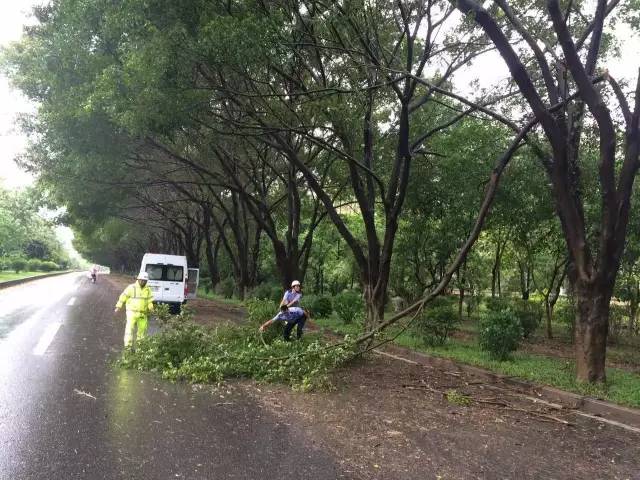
<point x="138" y="300"/>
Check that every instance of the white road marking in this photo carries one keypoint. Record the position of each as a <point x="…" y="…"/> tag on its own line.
<point x="46" y="339"/>
<point x="71" y="302"/>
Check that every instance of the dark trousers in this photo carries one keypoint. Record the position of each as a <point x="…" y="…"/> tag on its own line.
<point x="300" y="321"/>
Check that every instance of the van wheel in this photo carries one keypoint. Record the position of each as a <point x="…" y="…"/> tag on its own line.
<point x="174" y="309"/>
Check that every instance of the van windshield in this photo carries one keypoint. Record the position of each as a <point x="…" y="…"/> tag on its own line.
<point x="168" y="273"/>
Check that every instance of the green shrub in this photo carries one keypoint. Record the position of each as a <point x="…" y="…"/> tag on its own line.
<point x="18" y="264"/>
<point x="530" y="316"/>
<point x="497" y="304"/>
<point x="435" y="325"/>
<point x="49" y="266"/>
<point x="276" y="294"/>
<point x="500" y="333"/>
<point x="267" y="291"/>
<point x="205" y="283"/>
<point x="349" y="306"/>
<point x="34" y="265"/>
<point x="260" y="310"/>
<point x="529" y="321"/>
<point x="618" y="317"/>
<point x="444" y="301"/>
<point x="226" y="287"/>
<point x="321" y="307"/>
<point x="565" y="313"/>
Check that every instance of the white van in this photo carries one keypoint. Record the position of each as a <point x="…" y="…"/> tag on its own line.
<point x="170" y="279"/>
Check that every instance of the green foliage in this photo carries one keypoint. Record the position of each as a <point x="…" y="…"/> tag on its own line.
<point x="436" y="324"/>
<point x="618" y="317"/>
<point x="18" y="264"/>
<point x="49" y="266"/>
<point x="565" y="314"/>
<point x="25" y="233"/>
<point x="34" y="265"/>
<point x="497" y="304"/>
<point x="260" y="310"/>
<point x="319" y="306"/>
<point x="500" y="333"/>
<point x="454" y="397"/>
<point x="226" y="287"/>
<point x="530" y="316"/>
<point x="186" y="351"/>
<point x="267" y="291"/>
<point x="528" y="313"/>
<point x="529" y="320"/>
<point x="349" y="306"/>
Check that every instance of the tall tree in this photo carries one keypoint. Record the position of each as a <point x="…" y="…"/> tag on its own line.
<point x="573" y="47"/>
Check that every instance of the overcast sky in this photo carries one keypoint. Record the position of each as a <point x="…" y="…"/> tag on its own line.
<point x="14" y="14"/>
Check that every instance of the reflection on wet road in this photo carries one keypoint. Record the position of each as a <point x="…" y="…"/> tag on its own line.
<point x="66" y="412"/>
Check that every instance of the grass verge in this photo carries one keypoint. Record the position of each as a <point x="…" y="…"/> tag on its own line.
<point x="8" y="276"/>
<point x="622" y="387"/>
<point x="202" y="293"/>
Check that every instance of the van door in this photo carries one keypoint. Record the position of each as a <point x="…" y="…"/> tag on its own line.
<point x="192" y="283"/>
<point x="155" y="282"/>
<point x="173" y="290"/>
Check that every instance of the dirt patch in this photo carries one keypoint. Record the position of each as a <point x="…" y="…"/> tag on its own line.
<point x="391" y="420"/>
<point x="387" y="419"/>
<point x="208" y="312"/>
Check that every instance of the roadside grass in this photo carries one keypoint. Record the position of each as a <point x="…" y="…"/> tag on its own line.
<point x="202" y="293"/>
<point x="6" y="276"/>
<point x="622" y="387"/>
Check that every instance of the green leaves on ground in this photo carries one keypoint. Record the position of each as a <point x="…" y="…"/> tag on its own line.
<point x="197" y="354"/>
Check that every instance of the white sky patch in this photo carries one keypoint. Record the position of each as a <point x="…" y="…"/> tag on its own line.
<point x="14" y="15"/>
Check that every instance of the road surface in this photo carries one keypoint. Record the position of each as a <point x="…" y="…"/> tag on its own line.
<point x="66" y="412"/>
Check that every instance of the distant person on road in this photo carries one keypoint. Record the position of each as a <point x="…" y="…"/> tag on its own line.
<point x="94" y="273"/>
<point x="138" y="300"/>
<point x="290" y="312"/>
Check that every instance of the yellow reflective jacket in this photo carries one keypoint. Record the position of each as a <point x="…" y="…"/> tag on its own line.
<point x="136" y="298"/>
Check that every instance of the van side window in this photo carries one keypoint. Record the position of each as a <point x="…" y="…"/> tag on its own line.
<point x="174" y="273"/>
<point x="154" y="271"/>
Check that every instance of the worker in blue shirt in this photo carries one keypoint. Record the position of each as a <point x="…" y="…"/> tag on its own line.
<point x="290" y="312"/>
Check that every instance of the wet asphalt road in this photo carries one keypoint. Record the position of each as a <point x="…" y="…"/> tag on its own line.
<point x="67" y="413"/>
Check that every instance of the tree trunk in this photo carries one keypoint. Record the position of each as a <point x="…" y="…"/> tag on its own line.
<point x="461" y="289"/>
<point x="287" y="265"/>
<point x="592" y="320"/>
<point x="212" y="250"/>
<point x="374" y="305"/>
<point x="633" y="308"/>
<point x="548" y="310"/>
<point x="495" y="273"/>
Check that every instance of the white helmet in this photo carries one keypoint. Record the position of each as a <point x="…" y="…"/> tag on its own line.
<point x="143" y="276"/>
<point x="294" y="283"/>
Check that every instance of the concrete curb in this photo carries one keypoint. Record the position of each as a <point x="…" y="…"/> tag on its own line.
<point x="20" y="281"/>
<point x="593" y="406"/>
